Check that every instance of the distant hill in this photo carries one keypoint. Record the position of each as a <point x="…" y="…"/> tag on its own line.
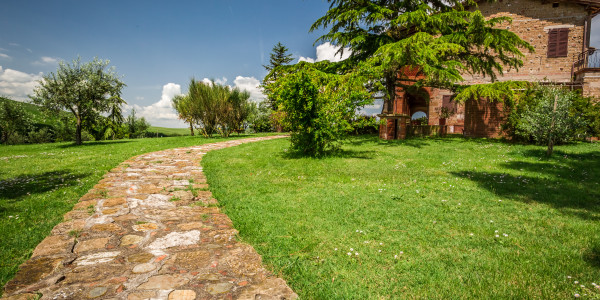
<point x="38" y="117"/>
<point x="154" y="131"/>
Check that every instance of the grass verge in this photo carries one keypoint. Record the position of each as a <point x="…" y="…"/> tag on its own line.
<point x="40" y="183"/>
<point x="421" y="218"/>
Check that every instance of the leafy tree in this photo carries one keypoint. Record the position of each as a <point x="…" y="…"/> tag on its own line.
<point x="440" y="38"/>
<point x="278" y="57"/>
<point x="136" y="127"/>
<point x="550" y="120"/>
<point x="85" y="89"/>
<point x="183" y="106"/>
<point x="13" y="120"/>
<point x="240" y="108"/>
<point x="214" y="107"/>
<point x="260" y="117"/>
<point x="318" y="106"/>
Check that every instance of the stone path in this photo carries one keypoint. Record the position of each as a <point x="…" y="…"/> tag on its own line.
<point x="150" y="229"/>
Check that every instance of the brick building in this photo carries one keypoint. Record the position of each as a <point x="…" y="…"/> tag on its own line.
<point x="559" y="30"/>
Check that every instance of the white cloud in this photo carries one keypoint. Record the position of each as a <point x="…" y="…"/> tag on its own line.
<point x="46" y="60"/>
<point x="327" y="51"/>
<point x="162" y="113"/>
<point x="16" y="84"/>
<point x="307" y="59"/>
<point x="251" y="85"/>
<point x="2" y="55"/>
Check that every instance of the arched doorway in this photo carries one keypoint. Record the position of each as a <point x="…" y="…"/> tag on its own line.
<point x="418" y="107"/>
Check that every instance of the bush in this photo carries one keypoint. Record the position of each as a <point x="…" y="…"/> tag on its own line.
<point x="364" y="125"/>
<point x="259" y="117"/>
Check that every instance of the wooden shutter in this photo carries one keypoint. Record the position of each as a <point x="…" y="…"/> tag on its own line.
<point x="558" y="42"/>
<point x="563" y="42"/>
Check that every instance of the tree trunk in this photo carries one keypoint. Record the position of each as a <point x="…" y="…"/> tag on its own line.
<point x="550" y="137"/>
<point x="78" y="132"/>
<point x="191" y="129"/>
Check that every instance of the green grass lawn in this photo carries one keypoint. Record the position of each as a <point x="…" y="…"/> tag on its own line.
<point x="40" y="183"/>
<point x="421" y="218"/>
<point x="166" y="132"/>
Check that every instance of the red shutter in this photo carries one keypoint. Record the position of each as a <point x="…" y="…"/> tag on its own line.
<point x="563" y="42"/>
<point x="558" y="42"/>
<point x="552" y="42"/>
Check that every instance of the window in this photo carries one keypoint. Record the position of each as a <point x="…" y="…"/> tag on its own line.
<point x="558" y="42"/>
<point x="448" y="103"/>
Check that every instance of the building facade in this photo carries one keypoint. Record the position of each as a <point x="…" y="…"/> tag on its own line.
<point x="559" y="31"/>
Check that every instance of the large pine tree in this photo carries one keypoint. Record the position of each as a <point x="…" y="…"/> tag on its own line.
<point x="440" y="37"/>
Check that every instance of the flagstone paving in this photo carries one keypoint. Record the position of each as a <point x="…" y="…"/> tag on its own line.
<point x="150" y="229"/>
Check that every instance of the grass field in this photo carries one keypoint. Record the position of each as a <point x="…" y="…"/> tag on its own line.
<point x="40" y="183"/>
<point x="421" y="218"/>
<point x="168" y="132"/>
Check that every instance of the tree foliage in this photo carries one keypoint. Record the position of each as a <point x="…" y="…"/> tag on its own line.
<point x="551" y="119"/>
<point x="318" y="106"/>
<point x="87" y="90"/>
<point x="441" y="38"/>
<point x="278" y="57"/>
<point x="13" y="120"/>
<point x="183" y="106"/>
<point x="213" y="107"/>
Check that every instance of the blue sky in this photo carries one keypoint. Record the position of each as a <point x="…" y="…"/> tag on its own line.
<point x="157" y="46"/>
<point x="155" y="43"/>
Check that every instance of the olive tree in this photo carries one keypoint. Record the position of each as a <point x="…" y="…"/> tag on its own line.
<point x="87" y="90"/>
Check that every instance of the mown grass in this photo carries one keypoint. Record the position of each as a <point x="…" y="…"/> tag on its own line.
<point x="40" y="183"/>
<point x="168" y="132"/>
<point x="421" y="218"/>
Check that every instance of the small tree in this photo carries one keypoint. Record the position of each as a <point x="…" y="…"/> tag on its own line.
<point x="136" y="127"/>
<point x="241" y="108"/>
<point x="318" y="106"/>
<point x="550" y="120"/>
<point x="85" y="89"/>
<point x="183" y="106"/>
<point x="13" y="120"/>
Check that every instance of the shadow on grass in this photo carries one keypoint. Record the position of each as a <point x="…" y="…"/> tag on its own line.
<point x="567" y="182"/>
<point x="95" y="143"/>
<point x="22" y="185"/>
<point x="336" y="154"/>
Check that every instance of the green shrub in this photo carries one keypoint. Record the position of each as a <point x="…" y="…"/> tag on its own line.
<point x="364" y="125"/>
<point x="551" y="118"/>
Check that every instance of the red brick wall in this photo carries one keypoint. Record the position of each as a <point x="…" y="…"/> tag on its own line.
<point x="483" y="119"/>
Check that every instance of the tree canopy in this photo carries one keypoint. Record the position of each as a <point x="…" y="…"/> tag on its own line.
<point x="441" y="38"/>
<point x="87" y="90"/>
<point x="279" y="57"/>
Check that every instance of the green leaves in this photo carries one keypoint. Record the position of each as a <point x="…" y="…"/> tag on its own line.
<point x="318" y="105"/>
<point x="441" y="38"/>
<point x="85" y="89"/>
<point x="213" y="107"/>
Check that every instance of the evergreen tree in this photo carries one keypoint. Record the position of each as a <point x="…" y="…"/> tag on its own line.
<point x="279" y="57"/>
<point x="443" y="39"/>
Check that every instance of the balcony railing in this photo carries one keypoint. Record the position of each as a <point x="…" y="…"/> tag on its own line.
<point x="586" y="60"/>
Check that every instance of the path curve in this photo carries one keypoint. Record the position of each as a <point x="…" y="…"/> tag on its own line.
<point x="150" y="229"/>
